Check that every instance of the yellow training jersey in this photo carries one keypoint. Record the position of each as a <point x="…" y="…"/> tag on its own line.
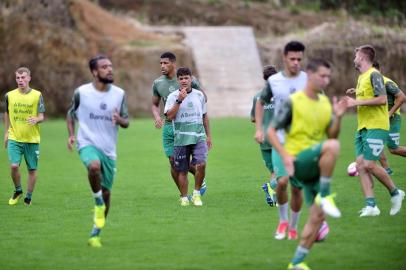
<point x="370" y="117"/>
<point x="310" y="120"/>
<point x="21" y="106"/>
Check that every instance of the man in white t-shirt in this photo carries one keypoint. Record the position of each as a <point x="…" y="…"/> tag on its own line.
<point x="100" y="108"/>
<point x="186" y="108"/>
<point x="277" y="89"/>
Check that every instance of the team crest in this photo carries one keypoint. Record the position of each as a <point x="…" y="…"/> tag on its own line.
<point x="292" y="90"/>
<point x="103" y="106"/>
<point x="190" y="104"/>
<point x="171" y="89"/>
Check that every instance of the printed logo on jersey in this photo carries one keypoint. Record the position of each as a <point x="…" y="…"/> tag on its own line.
<point x="395" y="137"/>
<point x="292" y="90"/>
<point x="190" y="104"/>
<point x="103" y="106"/>
<point x="376" y="145"/>
<point x="171" y="88"/>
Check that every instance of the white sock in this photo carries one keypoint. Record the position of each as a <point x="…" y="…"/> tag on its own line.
<point x="97" y="194"/>
<point x="283" y="212"/>
<point x="196" y="192"/>
<point x="294" y="218"/>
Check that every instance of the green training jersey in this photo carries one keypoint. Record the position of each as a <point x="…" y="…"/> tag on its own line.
<point x="266" y="120"/>
<point x="392" y="90"/>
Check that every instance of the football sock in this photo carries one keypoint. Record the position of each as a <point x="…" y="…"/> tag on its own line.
<point x="294" y="217"/>
<point x="394" y="192"/>
<point x="273" y="182"/>
<point x="325" y="186"/>
<point x="370" y="202"/>
<point x="95" y="231"/>
<point x="98" y="198"/>
<point x="28" y="195"/>
<point x="196" y="192"/>
<point x="19" y="189"/>
<point x="283" y="212"/>
<point x="300" y="255"/>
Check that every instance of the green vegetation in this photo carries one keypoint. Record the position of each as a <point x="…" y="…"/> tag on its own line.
<point x="147" y="229"/>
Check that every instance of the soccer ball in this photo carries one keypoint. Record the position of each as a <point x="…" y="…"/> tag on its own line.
<point x="323" y="232"/>
<point x="352" y="169"/>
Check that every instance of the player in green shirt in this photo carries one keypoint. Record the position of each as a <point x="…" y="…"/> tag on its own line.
<point x="161" y="88"/>
<point x="266" y="148"/>
<point x="395" y="99"/>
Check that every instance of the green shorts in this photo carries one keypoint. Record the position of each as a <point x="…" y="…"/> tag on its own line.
<point x="108" y="166"/>
<point x="370" y="143"/>
<point x="307" y="172"/>
<point x="30" y="151"/>
<point x="278" y="166"/>
<point x="394" y="132"/>
<point x="267" y="157"/>
<point x="168" y="139"/>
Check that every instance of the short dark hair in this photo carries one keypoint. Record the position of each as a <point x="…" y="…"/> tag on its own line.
<point x="268" y="71"/>
<point x="368" y="50"/>
<point x="376" y="65"/>
<point x="314" y="64"/>
<point x="94" y="60"/>
<point x="169" y="55"/>
<point x="294" y="46"/>
<point x="183" y="71"/>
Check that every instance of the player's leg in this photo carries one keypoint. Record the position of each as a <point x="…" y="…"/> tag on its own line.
<point x="168" y="145"/>
<point x="199" y="158"/>
<point x="282" y="195"/>
<point x="270" y="186"/>
<point x="15" y="152"/>
<point x="181" y="164"/>
<point x="296" y="201"/>
<point x="394" y="137"/>
<point x="376" y="140"/>
<point x="384" y="163"/>
<point x="31" y="155"/>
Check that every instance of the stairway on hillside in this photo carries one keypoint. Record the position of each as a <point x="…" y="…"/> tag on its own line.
<point x="228" y="67"/>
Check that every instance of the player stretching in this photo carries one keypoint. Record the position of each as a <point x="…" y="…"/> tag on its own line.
<point x="372" y="131"/>
<point x="309" y="159"/>
<point x="100" y="108"/>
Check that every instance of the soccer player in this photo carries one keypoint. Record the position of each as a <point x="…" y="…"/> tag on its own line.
<point x="307" y="116"/>
<point x="266" y="148"/>
<point x="278" y="88"/>
<point x="100" y="108"/>
<point x="186" y="108"/>
<point x="161" y="88"/>
<point x="24" y="111"/>
<point x="395" y="99"/>
<point x="372" y="132"/>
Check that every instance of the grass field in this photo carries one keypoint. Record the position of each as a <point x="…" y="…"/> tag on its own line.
<point x="147" y="229"/>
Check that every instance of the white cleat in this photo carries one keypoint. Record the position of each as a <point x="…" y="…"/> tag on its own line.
<point x="328" y="205"/>
<point x="397" y="203"/>
<point x="369" y="211"/>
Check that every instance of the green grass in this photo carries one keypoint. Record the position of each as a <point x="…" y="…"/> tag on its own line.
<point x="147" y="229"/>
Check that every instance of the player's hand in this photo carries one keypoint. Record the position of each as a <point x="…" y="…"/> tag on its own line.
<point x="339" y="107"/>
<point x="5" y="140"/>
<point x="209" y="143"/>
<point x="288" y="161"/>
<point x="32" y="120"/>
<point x="350" y="102"/>
<point x="182" y="94"/>
<point x="158" y="122"/>
<point x="71" y="142"/>
<point x="350" y="91"/>
<point x="116" y="117"/>
<point x="259" y="136"/>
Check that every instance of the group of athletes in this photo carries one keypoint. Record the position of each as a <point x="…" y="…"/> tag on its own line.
<point x="292" y="116"/>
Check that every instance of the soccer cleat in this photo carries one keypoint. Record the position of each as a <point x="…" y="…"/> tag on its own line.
<point x="95" y="242"/>
<point x="184" y="201"/>
<point x="203" y="188"/>
<point x="14" y="199"/>
<point x="281" y="230"/>
<point x="27" y="201"/>
<point x="369" y="211"/>
<point x="299" y="266"/>
<point x="397" y="202"/>
<point x="323" y="232"/>
<point x="328" y="205"/>
<point x="99" y="216"/>
<point x="270" y="195"/>
<point x="197" y="200"/>
<point x="292" y="234"/>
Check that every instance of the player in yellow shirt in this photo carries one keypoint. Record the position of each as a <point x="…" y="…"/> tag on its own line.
<point x="24" y="111"/>
<point x="307" y="117"/>
<point x="372" y="132"/>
